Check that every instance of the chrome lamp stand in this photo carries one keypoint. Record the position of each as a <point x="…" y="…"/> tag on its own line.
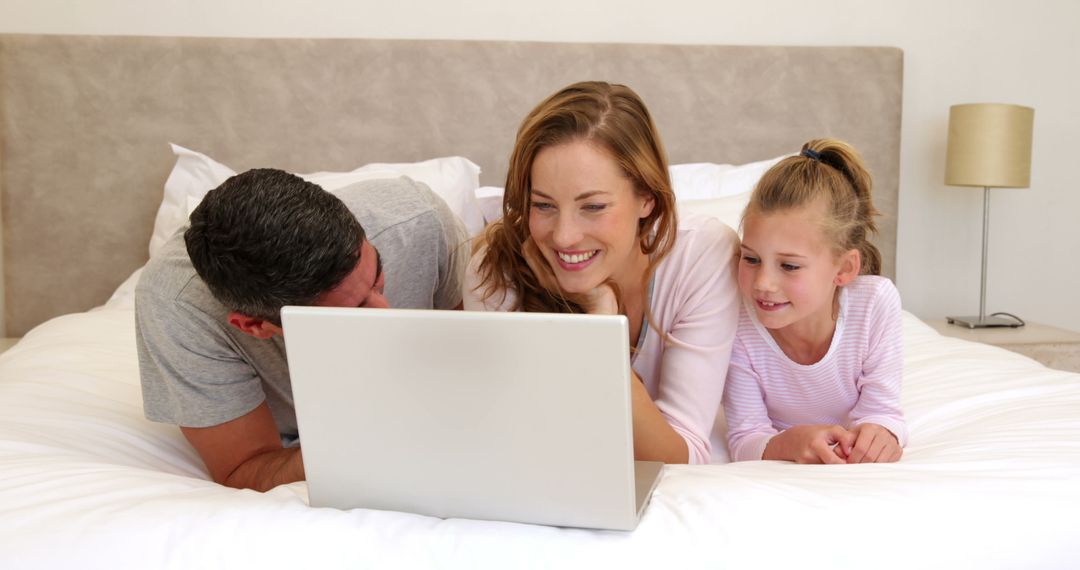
<point x="984" y="320"/>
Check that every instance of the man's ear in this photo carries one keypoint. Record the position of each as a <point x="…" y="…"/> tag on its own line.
<point x="850" y="263"/>
<point x="258" y="328"/>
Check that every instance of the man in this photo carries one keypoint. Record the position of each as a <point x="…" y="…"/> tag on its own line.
<point x="207" y="307"/>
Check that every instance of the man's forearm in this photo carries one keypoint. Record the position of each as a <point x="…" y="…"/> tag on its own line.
<point x="268" y="470"/>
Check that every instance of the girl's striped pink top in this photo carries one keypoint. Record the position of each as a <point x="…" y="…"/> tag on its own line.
<point x="856" y="382"/>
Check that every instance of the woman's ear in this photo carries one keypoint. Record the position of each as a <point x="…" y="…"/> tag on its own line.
<point x="850" y="263"/>
<point x="647" y="205"/>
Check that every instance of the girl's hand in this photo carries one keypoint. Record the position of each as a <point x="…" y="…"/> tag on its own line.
<point x="600" y="301"/>
<point x="874" y="444"/>
<point x="811" y="444"/>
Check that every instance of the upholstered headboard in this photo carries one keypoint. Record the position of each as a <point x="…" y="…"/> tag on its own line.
<point x="85" y="122"/>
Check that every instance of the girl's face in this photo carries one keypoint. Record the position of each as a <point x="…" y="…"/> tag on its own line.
<point x="584" y="216"/>
<point x="788" y="269"/>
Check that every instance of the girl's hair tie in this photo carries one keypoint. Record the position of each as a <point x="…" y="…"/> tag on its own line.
<point x="811" y="154"/>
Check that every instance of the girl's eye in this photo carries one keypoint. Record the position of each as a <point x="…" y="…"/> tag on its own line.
<point x="750" y="259"/>
<point x="788" y="267"/>
<point x="543" y="206"/>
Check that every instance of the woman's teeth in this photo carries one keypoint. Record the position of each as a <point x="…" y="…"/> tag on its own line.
<point x="577" y="257"/>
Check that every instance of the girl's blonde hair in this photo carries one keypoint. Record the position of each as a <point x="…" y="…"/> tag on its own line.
<point x="611" y="116"/>
<point x="831" y="170"/>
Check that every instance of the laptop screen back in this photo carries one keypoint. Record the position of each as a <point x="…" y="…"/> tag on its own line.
<point x="503" y="416"/>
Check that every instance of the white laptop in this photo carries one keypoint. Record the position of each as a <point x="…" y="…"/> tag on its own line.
<point x="500" y="416"/>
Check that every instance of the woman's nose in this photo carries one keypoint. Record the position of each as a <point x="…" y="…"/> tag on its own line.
<point x="567" y="232"/>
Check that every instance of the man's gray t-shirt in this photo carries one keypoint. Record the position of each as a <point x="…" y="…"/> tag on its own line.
<point x="199" y="371"/>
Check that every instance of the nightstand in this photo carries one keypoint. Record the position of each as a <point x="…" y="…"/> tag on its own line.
<point x="6" y="343"/>
<point x="1054" y="347"/>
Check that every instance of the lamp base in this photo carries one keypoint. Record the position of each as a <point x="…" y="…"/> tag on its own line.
<point x="984" y="322"/>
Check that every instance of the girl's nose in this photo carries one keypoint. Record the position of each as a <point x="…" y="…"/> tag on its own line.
<point x="764" y="281"/>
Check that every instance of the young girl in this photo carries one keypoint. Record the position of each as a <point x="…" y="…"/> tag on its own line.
<point x="816" y="366"/>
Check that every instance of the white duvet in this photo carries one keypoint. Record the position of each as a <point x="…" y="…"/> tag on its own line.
<point x="991" y="479"/>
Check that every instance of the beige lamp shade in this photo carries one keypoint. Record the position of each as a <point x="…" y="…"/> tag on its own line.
<point x="989" y="145"/>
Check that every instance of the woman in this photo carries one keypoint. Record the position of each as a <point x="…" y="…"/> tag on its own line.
<point x="589" y="226"/>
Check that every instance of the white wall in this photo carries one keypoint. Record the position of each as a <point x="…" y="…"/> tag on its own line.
<point x="959" y="51"/>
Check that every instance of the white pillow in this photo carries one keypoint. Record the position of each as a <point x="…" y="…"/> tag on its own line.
<point x="721" y="191"/>
<point x="727" y="209"/>
<point x="704" y="180"/>
<point x="490" y="200"/>
<point x="454" y="179"/>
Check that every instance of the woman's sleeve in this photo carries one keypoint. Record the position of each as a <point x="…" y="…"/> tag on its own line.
<point x="698" y="347"/>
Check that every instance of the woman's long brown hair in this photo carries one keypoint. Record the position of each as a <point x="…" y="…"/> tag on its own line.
<point x="608" y="115"/>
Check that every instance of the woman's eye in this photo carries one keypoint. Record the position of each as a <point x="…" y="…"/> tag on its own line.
<point x="543" y="206"/>
<point x="750" y="259"/>
<point x="594" y="207"/>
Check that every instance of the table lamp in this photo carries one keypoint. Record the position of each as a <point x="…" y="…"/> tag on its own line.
<point x="989" y="146"/>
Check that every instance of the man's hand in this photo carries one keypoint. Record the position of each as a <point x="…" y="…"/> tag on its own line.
<point x="874" y="444"/>
<point x="246" y="453"/>
<point x="811" y="444"/>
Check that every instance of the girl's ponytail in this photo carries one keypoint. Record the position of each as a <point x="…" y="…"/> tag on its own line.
<point x="858" y="227"/>
<point x="833" y="170"/>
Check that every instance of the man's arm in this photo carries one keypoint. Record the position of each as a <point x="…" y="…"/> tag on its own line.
<point x="246" y="453"/>
<point x="454" y="251"/>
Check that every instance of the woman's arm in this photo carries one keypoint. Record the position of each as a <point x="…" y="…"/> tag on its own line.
<point x="654" y="438"/>
<point x="700" y="288"/>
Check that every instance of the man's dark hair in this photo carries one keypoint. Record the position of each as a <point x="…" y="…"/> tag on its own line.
<point x="266" y="238"/>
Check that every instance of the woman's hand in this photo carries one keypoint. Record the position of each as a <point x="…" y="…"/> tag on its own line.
<point x="811" y="444"/>
<point x="600" y="301"/>
<point x="874" y="444"/>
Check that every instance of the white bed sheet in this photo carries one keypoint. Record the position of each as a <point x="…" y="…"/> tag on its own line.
<point x="991" y="479"/>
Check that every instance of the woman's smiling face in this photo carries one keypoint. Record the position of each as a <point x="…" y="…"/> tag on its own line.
<point x="584" y="216"/>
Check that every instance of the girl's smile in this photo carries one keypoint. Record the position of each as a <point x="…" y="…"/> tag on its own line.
<point x="790" y="272"/>
<point x="770" y="305"/>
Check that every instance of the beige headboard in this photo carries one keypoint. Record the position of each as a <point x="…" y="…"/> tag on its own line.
<point x="85" y="122"/>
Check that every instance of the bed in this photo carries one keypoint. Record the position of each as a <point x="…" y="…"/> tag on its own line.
<point x="989" y="480"/>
